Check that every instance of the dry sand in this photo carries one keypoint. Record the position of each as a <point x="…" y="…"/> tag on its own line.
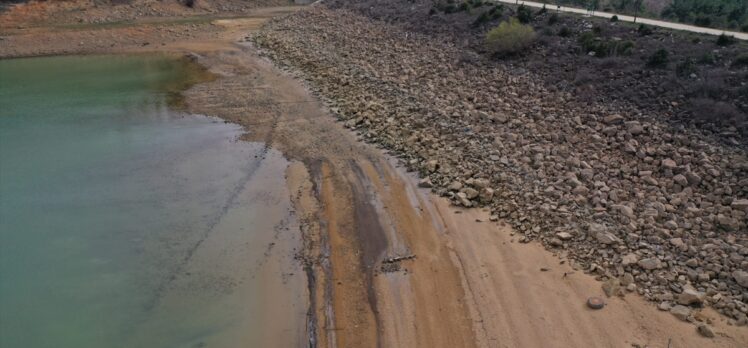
<point x="470" y="283"/>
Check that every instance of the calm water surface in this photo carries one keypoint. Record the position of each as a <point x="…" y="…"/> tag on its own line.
<point x="125" y="224"/>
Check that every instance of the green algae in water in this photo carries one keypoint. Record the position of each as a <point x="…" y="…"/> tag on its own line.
<point x="104" y="193"/>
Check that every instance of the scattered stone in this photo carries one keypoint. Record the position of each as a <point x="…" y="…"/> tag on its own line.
<point x="664" y="306"/>
<point x="741" y="278"/>
<point x="629" y="259"/>
<point x="681" y="180"/>
<point x="556" y="242"/>
<point x="432" y="166"/>
<point x="455" y="186"/>
<point x="691" y="296"/>
<point x="681" y="312"/>
<point x="486" y="195"/>
<point x="595" y="303"/>
<point x="470" y="193"/>
<point x="601" y="233"/>
<point x="705" y="330"/>
<point x="650" y="263"/>
<point x="740" y="204"/>
<point x="613" y="119"/>
<point x="612" y="287"/>
<point x="669" y="164"/>
<point x="564" y="235"/>
<point x="627" y="279"/>
<point x="425" y="183"/>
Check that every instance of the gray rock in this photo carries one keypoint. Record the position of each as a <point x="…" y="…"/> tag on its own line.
<point x="481" y="183"/>
<point x="627" y="279"/>
<point x="665" y="306"/>
<point x="455" y="186"/>
<point x="680" y="312"/>
<point x="691" y="296"/>
<point x="629" y="259"/>
<point x="681" y="180"/>
<point x="602" y="235"/>
<point x="613" y="119"/>
<point x="564" y="235"/>
<point x="625" y="211"/>
<point x="464" y="201"/>
<point x="650" y="263"/>
<point x="486" y="195"/>
<point x="425" y="183"/>
<point x="693" y="178"/>
<point x="705" y="330"/>
<point x="612" y="287"/>
<point x="634" y="127"/>
<point x="432" y="166"/>
<point x="741" y="277"/>
<point x="740" y="204"/>
<point x="669" y="164"/>
<point x="470" y="193"/>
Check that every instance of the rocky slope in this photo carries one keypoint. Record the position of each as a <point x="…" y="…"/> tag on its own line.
<point x="701" y="84"/>
<point x="646" y="206"/>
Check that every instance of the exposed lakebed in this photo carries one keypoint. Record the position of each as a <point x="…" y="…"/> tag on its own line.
<point x="124" y="223"/>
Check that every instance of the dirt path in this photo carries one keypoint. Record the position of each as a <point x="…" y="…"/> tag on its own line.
<point x="470" y="284"/>
<point x="625" y="18"/>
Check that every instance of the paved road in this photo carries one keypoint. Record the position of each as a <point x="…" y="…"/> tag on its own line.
<point x="624" y="18"/>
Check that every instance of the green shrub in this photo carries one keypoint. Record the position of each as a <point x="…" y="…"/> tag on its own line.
<point x="553" y="19"/>
<point x="524" y="14"/>
<point x="744" y="28"/>
<point x="707" y="58"/>
<point x="614" y="18"/>
<point x="603" y="48"/>
<point x="685" y="68"/>
<point x="725" y="40"/>
<point x="644" y="30"/>
<point x="658" y="59"/>
<point x="564" y="32"/>
<point x="509" y="37"/>
<point x="486" y="16"/>
<point x="740" y="61"/>
<point x="543" y="10"/>
<point x="463" y="7"/>
<point x="496" y="11"/>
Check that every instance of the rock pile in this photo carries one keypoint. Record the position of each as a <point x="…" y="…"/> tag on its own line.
<point x="626" y="196"/>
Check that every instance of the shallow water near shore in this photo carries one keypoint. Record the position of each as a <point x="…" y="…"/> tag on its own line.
<point x="126" y="224"/>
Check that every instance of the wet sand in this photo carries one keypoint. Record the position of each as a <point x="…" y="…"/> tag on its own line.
<point x="470" y="283"/>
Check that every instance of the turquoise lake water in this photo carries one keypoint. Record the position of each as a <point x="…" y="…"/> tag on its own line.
<point x="125" y="224"/>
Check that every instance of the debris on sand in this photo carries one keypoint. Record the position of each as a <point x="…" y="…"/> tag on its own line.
<point x="399" y="258"/>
